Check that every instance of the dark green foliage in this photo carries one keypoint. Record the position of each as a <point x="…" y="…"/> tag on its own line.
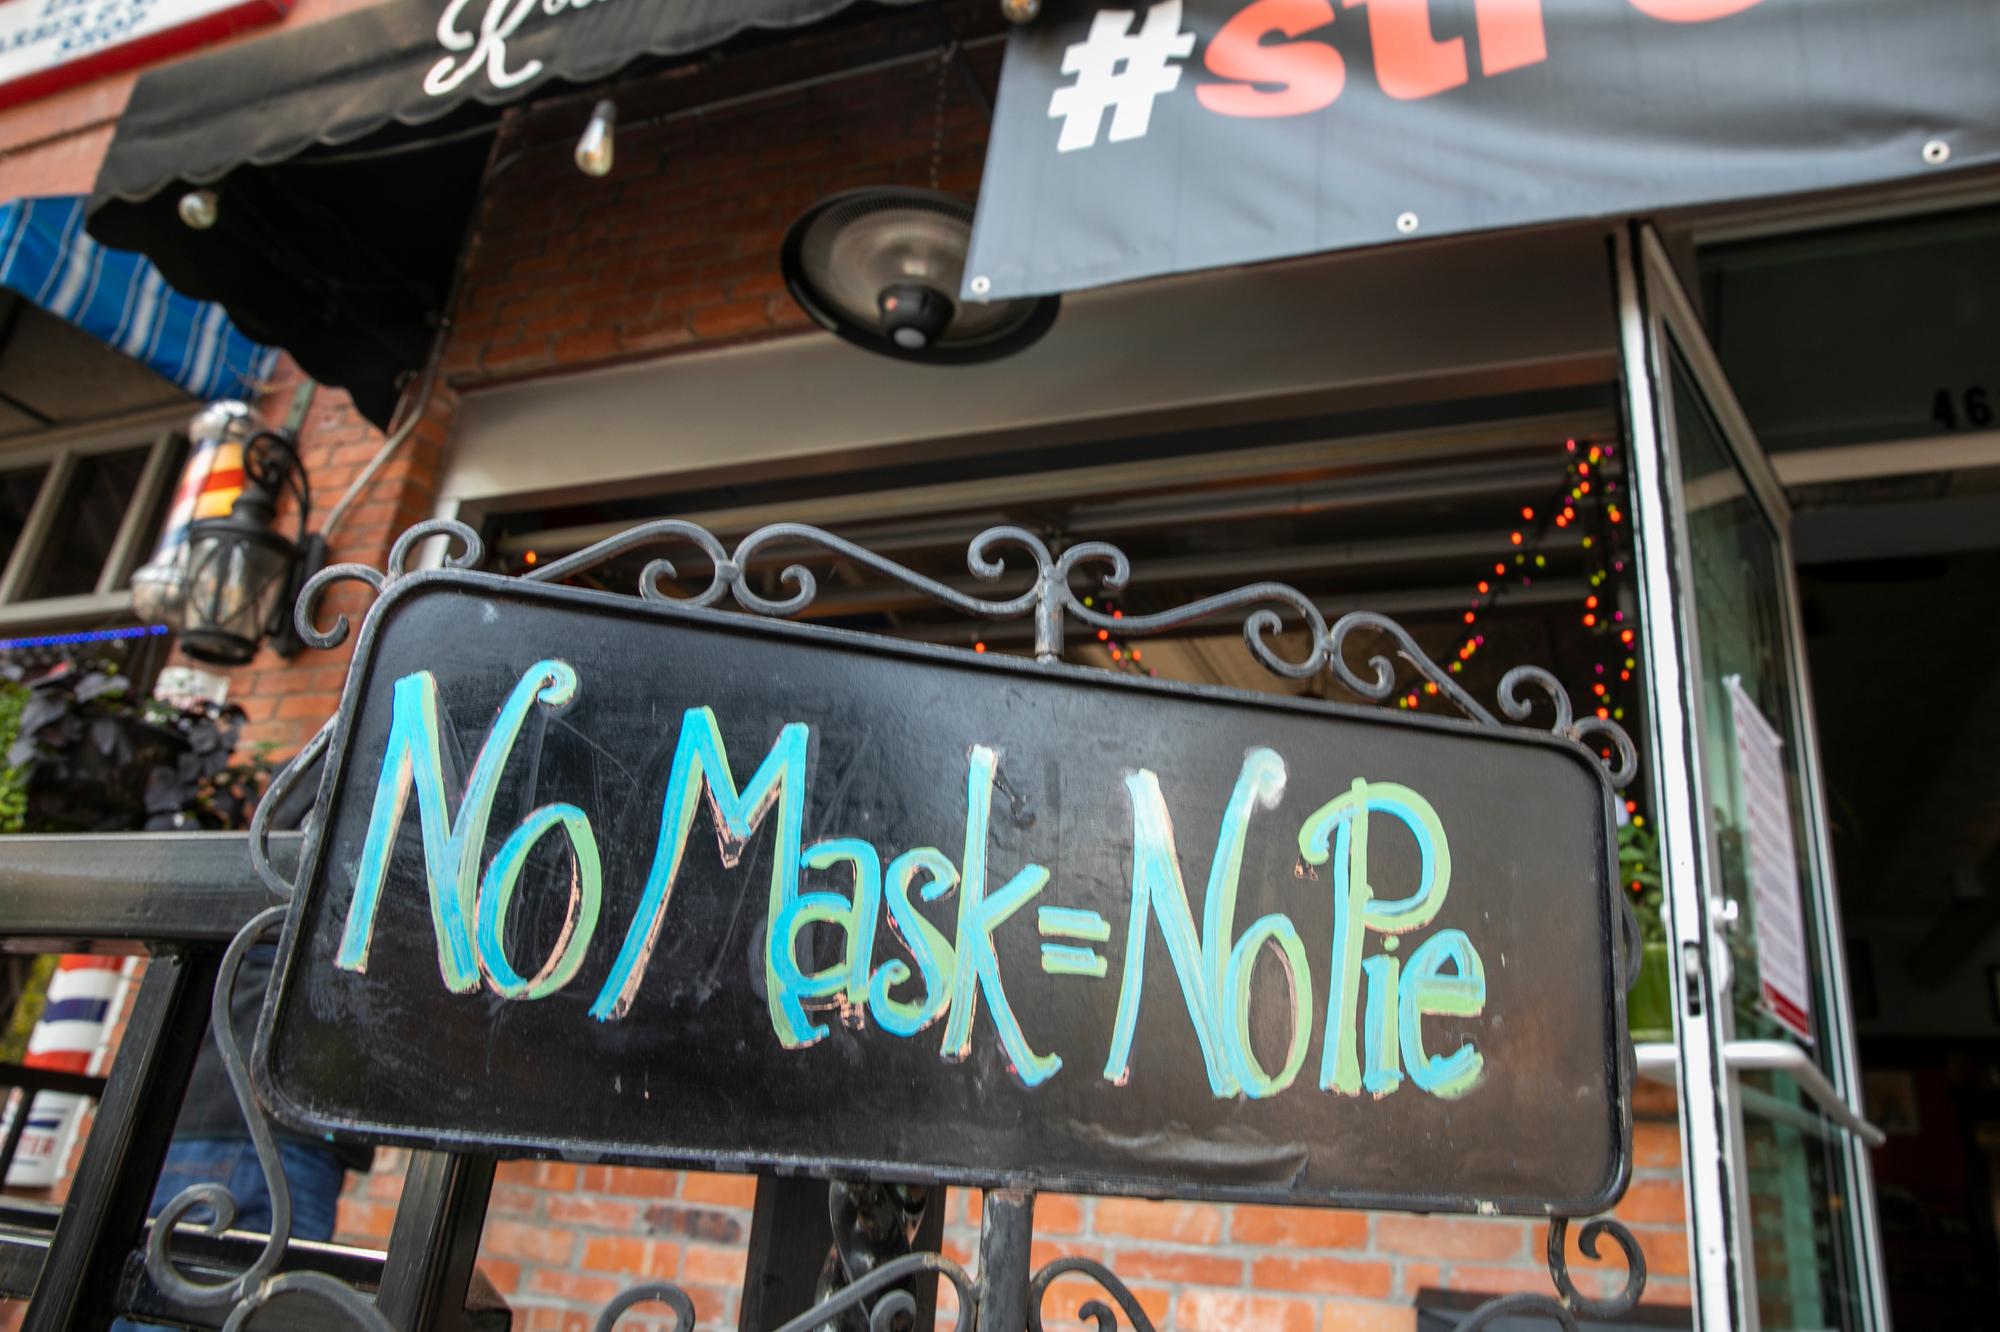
<point x="85" y="755"/>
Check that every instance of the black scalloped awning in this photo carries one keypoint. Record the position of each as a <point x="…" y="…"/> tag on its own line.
<point x="327" y="246"/>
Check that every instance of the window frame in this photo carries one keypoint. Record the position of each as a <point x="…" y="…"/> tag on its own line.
<point x="159" y="433"/>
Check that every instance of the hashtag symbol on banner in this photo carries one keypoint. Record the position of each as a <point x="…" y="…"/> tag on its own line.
<point x="1121" y="71"/>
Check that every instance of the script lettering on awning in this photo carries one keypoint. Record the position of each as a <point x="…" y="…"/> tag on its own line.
<point x="483" y="49"/>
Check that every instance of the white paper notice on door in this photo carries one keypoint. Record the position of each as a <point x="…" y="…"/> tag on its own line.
<point x="1782" y="969"/>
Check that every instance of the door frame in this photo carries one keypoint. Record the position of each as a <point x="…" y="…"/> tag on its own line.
<point x="1656" y="317"/>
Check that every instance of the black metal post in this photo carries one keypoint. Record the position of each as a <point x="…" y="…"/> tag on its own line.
<point x="929" y="1239"/>
<point x="1006" y="1233"/>
<point x="15" y="1127"/>
<point x="788" y="1244"/>
<point x="113" y="1186"/>
<point x="435" y="1240"/>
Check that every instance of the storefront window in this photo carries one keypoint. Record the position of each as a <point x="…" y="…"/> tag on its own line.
<point x="1494" y="549"/>
<point x="76" y="517"/>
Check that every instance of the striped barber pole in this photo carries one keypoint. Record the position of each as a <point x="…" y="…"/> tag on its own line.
<point x="209" y="485"/>
<point x="72" y="1036"/>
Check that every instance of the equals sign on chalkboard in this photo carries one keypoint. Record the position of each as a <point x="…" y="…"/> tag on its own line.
<point x="1072" y="959"/>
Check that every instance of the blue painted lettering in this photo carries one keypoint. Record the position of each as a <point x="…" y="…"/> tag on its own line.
<point x="701" y="764"/>
<point x="937" y="961"/>
<point x="452" y="846"/>
<point x="1338" y="830"/>
<point x="1202" y="966"/>
<point x="979" y="914"/>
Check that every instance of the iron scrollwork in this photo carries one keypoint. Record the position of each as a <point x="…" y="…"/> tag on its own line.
<point x="649" y="1292"/>
<point x="261" y="1282"/>
<point x="895" y="1310"/>
<point x="872" y="1225"/>
<point x="1097" y="1311"/>
<point x="1573" y="1301"/>
<point x="866" y="1279"/>
<point x="1050" y="598"/>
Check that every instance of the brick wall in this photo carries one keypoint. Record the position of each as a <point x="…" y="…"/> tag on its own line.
<point x="287" y="700"/>
<point x="678" y="249"/>
<point x="562" y="1239"/>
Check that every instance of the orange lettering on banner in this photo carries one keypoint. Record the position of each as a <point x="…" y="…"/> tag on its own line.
<point x="1511" y="35"/>
<point x="1690" y="11"/>
<point x="1311" y="74"/>
<point x="1409" y="62"/>
<point x="1294" y="78"/>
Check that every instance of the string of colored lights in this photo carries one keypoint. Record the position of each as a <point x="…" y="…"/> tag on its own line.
<point x="1129" y="658"/>
<point x="1588" y="499"/>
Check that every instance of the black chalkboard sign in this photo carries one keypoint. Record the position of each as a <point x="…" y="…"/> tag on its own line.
<point x="615" y="880"/>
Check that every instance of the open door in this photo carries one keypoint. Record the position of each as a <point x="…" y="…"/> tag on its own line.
<point x="1779" y="1194"/>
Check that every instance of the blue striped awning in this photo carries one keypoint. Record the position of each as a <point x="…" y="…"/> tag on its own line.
<point x="121" y="299"/>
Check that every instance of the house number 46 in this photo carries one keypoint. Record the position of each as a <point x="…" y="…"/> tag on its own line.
<point x="1971" y="408"/>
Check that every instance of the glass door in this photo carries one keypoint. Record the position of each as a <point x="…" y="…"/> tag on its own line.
<point x="1782" y="1227"/>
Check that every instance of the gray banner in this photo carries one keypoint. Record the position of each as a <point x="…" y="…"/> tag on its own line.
<point x="1142" y="140"/>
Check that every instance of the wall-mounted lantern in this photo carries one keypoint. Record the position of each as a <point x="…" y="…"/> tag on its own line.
<point x="225" y="579"/>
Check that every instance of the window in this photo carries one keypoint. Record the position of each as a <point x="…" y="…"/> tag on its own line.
<point x="76" y="519"/>
<point x="1877" y="332"/>
<point x="18" y="489"/>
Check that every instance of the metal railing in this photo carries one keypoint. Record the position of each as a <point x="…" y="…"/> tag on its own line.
<point x="179" y="898"/>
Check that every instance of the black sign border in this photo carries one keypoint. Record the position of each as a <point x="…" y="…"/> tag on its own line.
<point x="272" y="1095"/>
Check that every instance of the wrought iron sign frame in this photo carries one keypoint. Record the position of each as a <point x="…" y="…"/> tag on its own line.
<point x="870" y="1276"/>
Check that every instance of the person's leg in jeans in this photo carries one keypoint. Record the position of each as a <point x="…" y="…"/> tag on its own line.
<point x="313" y="1175"/>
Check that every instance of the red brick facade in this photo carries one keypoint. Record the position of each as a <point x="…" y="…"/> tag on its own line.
<point x="562" y="1239"/>
<point x="676" y="249"/>
<point x="286" y="701"/>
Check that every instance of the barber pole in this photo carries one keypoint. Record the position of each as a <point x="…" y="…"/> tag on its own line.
<point x="71" y="1036"/>
<point x="213" y="477"/>
<point x="210" y="481"/>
